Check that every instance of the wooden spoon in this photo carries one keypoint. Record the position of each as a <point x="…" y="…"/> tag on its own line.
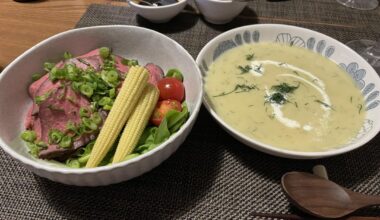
<point x="323" y="198"/>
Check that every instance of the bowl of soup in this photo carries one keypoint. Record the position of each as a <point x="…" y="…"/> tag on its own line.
<point x="290" y="91"/>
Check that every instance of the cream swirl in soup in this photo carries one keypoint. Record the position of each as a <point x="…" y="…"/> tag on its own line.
<point x="285" y="96"/>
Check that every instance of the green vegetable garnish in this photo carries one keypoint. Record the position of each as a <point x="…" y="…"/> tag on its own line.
<point x="131" y="156"/>
<point x="39" y="99"/>
<point x="55" y="136"/>
<point x="130" y="62"/>
<point x="48" y="66"/>
<point x="112" y="93"/>
<point x="175" y="73"/>
<point x="65" y="142"/>
<point x="95" y="117"/>
<point x="72" y="163"/>
<point x="88" y="123"/>
<point x="84" y="112"/>
<point x="36" y="76"/>
<point x="86" y="89"/>
<point x="28" y="136"/>
<point x="67" y="55"/>
<point x="105" y="101"/>
<point x="104" y="52"/>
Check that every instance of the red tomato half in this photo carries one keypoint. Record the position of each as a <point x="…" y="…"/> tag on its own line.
<point x="162" y="108"/>
<point x="171" y="88"/>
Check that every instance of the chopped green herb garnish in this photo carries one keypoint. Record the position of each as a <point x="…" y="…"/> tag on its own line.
<point x="65" y="142"/>
<point x="238" y="89"/>
<point x="67" y="56"/>
<point x="284" y="88"/>
<point x="48" y="66"/>
<point x="55" y="136"/>
<point x="104" y="52"/>
<point x="250" y="57"/>
<point x="39" y="99"/>
<point x="28" y="136"/>
<point x="36" y="76"/>
<point x="360" y="107"/>
<point x="244" y="69"/>
<point x="277" y="98"/>
<point x="324" y="104"/>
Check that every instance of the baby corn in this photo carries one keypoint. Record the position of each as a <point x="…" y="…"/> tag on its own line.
<point x="136" y="123"/>
<point x="123" y="106"/>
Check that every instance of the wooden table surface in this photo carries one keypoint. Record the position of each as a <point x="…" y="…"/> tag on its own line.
<point x="22" y="25"/>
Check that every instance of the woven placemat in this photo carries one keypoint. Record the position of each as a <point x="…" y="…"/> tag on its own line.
<point x="211" y="176"/>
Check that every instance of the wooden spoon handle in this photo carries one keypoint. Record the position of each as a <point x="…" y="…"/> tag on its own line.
<point x="366" y="200"/>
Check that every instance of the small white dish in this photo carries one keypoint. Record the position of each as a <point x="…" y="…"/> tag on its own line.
<point x="159" y="14"/>
<point x="220" y="11"/>
<point x="127" y="41"/>
<point x="362" y="73"/>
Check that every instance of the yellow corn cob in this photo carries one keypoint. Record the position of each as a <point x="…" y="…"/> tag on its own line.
<point x="122" y="108"/>
<point x="136" y="123"/>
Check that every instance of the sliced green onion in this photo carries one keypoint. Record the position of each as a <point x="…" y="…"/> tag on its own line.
<point x="95" y="117"/>
<point x="57" y="73"/>
<point x="34" y="150"/>
<point x="55" y="136"/>
<point x="65" y="142"/>
<point x="112" y="76"/>
<point x="133" y="63"/>
<point x="36" y="76"/>
<point x="72" y="163"/>
<point x="107" y="107"/>
<point x="175" y="73"/>
<point x="86" y="89"/>
<point x="125" y="61"/>
<point x="72" y="72"/>
<point x="48" y="66"/>
<point x="112" y="93"/>
<point x="75" y="86"/>
<point x="28" y="136"/>
<point x="41" y="145"/>
<point x="39" y="99"/>
<point x="88" y="123"/>
<point x="105" y="101"/>
<point x="67" y="56"/>
<point x="104" y="52"/>
<point x="84" y="112"/>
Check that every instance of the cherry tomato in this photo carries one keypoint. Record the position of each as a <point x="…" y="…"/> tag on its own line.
<point x="171" y="88"/>
<point x="162" y="108"/>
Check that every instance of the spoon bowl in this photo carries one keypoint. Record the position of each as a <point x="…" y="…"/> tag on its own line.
<point x="323" y="198"/>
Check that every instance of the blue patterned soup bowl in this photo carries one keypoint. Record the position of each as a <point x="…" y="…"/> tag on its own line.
<point x="363" y="75"/>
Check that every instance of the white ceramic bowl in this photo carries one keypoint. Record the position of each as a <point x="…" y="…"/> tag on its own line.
<point x="364" y="75"/>
<point x="128" y="41"/>
<point x="220" y="11"/>
<point x="159" y="14"/>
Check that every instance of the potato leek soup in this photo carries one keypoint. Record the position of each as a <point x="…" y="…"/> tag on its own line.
<point x="285" y="96"/>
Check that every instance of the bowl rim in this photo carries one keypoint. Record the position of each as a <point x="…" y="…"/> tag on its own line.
<point x="82" y="171"/>
<point x="156" y="8"/>
<point x="224" y="2"/>
<point x="267" y="148"/>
